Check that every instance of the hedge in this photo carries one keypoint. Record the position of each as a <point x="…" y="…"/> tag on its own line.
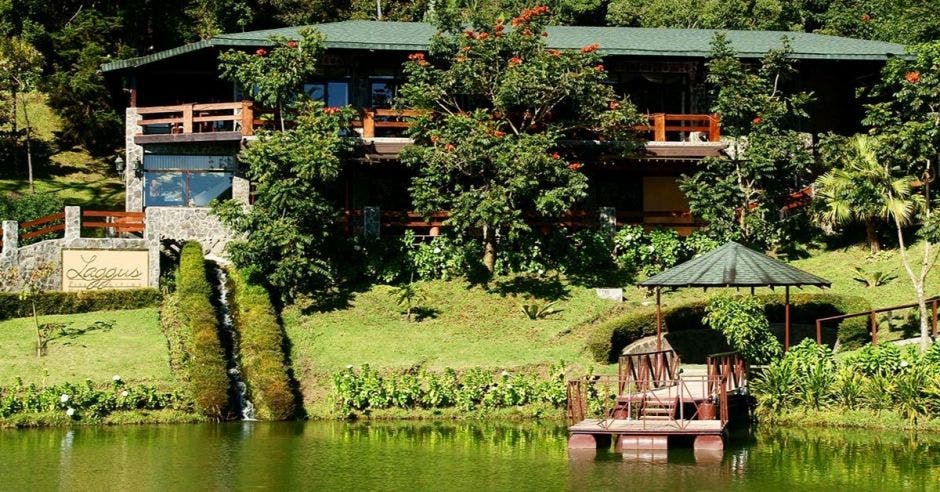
<point x="57" y="302"/>
<point x="260" y="349"/>
<point x="205" y="361"/>
<point x="611" y="336"/>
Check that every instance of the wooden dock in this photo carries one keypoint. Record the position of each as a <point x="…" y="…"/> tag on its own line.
<point x="650" y="402"/>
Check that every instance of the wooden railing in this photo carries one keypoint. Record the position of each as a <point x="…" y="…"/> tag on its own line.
<point x="648" y="370"/>
<point x="662" y="124"/>
<point x="729" y="367"/>
<point x="873" y="318"/>
<point x="200" y="118"/>
<point x="116" y="221"/>
<point x="244" y="117"/>
<point x="35" y="228"/>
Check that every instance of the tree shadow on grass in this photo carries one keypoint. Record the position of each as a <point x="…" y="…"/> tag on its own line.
<point x="66" y="331"/>
<point x="546" y="288"/>
<point x="422" y="313"/>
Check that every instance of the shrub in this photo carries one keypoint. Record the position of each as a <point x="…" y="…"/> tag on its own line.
<point x="744" y="324"/>
<point x="806" y="308"/>
<point x="611" y="336"/>
<point x="12" y="306"/>
<point x="874" y="360"/>
<point x="85" y="402"/>
<point x="260" y="344"/>
<point x="30" y="206"/>
<point x="206" y="363"/>
<point x="476" y="389"/>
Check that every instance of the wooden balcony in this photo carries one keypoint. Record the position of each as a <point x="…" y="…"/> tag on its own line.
<point x="670" y="135"/>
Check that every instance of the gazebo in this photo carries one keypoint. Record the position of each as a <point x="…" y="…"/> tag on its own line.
<point x="732" y="265"/>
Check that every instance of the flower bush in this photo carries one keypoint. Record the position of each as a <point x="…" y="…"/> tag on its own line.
<point x="87" y="401"/>
<point x="366" y="389"/>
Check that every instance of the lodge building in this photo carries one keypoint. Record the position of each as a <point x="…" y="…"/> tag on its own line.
<point x="185" y="124"/>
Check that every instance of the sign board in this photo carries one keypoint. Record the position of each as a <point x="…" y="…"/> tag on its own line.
<point x="99" y="269"/>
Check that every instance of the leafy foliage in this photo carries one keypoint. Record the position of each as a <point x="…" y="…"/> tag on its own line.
<point x="737" y="196"/>
<point x="494" y="103"/>
<point x="743" y="322"/>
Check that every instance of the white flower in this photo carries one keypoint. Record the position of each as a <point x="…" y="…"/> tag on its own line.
<point x="437" y="249"/>
<point x="903" y="363"/>
<point x="124" y="393"/>
<point x="115" y="378"/>
<point x="357" y="247"/>
<point x="70" y="411"/>
<point x="64" y="398"/>
<point x="651" y="248"/>
<point x="505" y="374"/>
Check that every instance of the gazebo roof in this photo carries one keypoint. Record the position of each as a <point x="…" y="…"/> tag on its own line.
<point x="734" y="265"/>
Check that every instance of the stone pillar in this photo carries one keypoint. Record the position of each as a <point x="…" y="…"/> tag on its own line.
<point x="73" y="223"/>
<point x="241" y="189"/>
<point x="133" y="185"/>
<point x="11" y="237"/>
<point x="607" y="217"/>
<point x="371" y="221"/>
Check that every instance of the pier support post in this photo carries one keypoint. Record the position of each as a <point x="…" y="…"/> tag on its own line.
<point x="709" y="443"/>
<point x="588" y="441"/>
<point x="641" y="442"/>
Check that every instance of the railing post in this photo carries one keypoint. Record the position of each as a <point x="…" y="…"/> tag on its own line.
<point x="874" y="328"/>
<point x="818" y="332"/>
<point x="714" y="128"/>
<point x="659" y="127"/>
<point x="248" y="118"/>
<point x="73" y="223"/>
<point x="187" y="118"/>
<point x="368" y="124"/>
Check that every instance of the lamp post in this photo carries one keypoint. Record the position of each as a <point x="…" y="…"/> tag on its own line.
<point x="119" y="165"/>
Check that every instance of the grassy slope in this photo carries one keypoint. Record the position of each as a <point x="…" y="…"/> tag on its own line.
<point x="134" y="348"/>
<point x="76" y="176"/>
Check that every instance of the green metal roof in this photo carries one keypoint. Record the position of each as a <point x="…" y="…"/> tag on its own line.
<point x="734" y="265"/>
<point x="411" y="36"/>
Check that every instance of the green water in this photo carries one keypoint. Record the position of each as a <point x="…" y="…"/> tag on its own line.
<point x="447" y="456"/>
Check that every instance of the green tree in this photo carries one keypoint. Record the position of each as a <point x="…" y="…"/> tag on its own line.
<point x="494" y="103"/>
<point x="853" y="189"/>
<point x="707" y="14"/>
<point x="768" y="157"/>
<point x="20" y="70"/>
<point x="743" y="322"/>
<point x="275" y="78"/>
<point x="907" y="122"/>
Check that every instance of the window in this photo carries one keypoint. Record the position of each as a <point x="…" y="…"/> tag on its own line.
<point x="382" y="93"/>
<point x="187" y="181"/>
<point x="333" y="93"/>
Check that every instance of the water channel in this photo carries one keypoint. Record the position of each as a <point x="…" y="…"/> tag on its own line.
<point x="448" y="456"/>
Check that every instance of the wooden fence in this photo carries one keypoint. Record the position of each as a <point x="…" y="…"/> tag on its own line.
<point x="873" y="318"/>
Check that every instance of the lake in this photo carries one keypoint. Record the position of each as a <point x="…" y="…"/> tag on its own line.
<point x="448" y="456"/>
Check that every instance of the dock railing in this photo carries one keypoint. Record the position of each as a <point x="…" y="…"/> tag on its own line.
<point x="649" y="370"/>
<point x="872" y="315"/>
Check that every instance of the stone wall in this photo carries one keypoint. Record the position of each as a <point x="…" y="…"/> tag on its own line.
<point x="26" y="259"/>
<point x="188" y="224"/>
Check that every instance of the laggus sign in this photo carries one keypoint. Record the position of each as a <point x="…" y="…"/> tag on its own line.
<point x="96" y="269"/>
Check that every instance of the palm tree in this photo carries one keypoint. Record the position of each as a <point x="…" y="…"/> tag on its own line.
<point x="867" y="187"/>
<point x="854" y="190"/>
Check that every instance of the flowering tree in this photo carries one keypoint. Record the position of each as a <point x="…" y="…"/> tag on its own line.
<point x="768" y="156"/>
<point x="907" y="123"/>
<point x="495" y="105"/>
<point x="275" y="78"/>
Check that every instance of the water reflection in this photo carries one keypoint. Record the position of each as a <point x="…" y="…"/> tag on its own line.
<point x="450" y="456"/>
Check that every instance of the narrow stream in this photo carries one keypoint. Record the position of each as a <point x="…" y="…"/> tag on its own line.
<point x="238" y="390"/>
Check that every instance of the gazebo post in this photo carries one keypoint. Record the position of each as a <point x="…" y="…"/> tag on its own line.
<point x="786" y="319"/>
<point x="659" y="321"/>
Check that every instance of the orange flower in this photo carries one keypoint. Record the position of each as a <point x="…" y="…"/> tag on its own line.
<point x="499" y="27"/>
<point x="614" y="104"/>
<point x="292" y="44"/>
<point x="599" y="68"/>
<point x="449" y="147"/>
<point x="527" y="32"/>
<point x="434" y="138"/>
<point x="556" y="155"/>
<point x="470" y="34"/>
<point x="591" y="48"/>
<point x="423" y="63"/>
<point x="554" y="52"/>
<point x="461" y="58"/>
<point x="261" y="52"/>
<point x="544" y="34"/>
<point x="866" y="17"/>
<point x="515" y="60"/>
<point x="499" y="134"/>
<point x="483" y="36"/>
<point x="574" y="166"/>
<point x="331" y="110"/>
<point x="416" y="56"/>
<point x="912" y="77"/>
<point x="466" y="49"/>
<point x="758" y="120"/>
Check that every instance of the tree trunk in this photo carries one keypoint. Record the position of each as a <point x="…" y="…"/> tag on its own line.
<point x="39" y="344"/>
<point x="29" y="147"/>
<point x="918" y="283"/>
<point x="872" y="234"/>
<point x="489" y="250"/>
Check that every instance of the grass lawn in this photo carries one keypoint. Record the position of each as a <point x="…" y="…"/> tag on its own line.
<point x="73" y="174"/>
<point x="133" y="347"/>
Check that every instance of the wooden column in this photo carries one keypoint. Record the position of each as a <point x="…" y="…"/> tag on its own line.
<point x="786" y="318"/>
<point x="659" y="321"/>
<point x="248" y="119"/>
<point x="187" y="118"/>
<point x="659" y="127"/>
<point x="714" y="128"/>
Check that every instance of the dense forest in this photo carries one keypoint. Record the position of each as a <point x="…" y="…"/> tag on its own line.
<point x="57" y="47"/>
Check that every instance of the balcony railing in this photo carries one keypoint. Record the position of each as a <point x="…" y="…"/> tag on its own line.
<point x="243" y="118"/>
